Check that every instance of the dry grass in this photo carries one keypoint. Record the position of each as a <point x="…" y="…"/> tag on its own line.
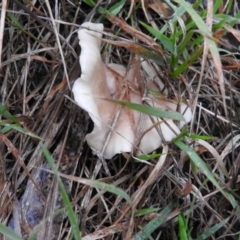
<point x="39" y="61"/>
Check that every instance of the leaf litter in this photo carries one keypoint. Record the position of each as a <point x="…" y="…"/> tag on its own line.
<point x="33" y="85"/>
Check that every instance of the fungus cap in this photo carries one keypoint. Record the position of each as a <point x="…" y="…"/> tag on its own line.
<point x="99" y="82"/>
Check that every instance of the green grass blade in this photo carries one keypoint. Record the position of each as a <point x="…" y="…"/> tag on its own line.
<point x="199" y="163"/>
<point x="184" y="43"/>
<point x="144" y="157"/>
<point x="166" y="42"/>
<point x="115" y="9"/>
<point x="9" y="233"/>
<point x="5" y="113"/>
<point x="71" y="216"/>
<point x="232" y="200"/>
<point x="203" y="137"/>
<point x="221" y="23"/>
<point x="8" y="126"/>
<point x="5" y="129"/>
<point x="154" y="224"/>
<point x="182" y="231"/>
<point x="235" y="19"/>
<point x="195" y="17"/>
<point x="14" y="21"/>
<point x="100" y="185"/>
<point x="157" y="112"/>
<point x="90" y="3"/>
<point x="201" y="26"/>
<point x="216" y="5"/>
<point x="188" y="63"/>
<point x="109" y="188"/>
<point x="211" y="44"/>
<point x="209" y="232"/>
<point x="145" y="211"/>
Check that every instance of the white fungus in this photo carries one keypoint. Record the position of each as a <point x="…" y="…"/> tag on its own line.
<point x="99" y="82"/>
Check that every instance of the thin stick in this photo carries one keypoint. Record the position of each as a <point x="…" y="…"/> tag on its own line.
<point x="2" y="23"/>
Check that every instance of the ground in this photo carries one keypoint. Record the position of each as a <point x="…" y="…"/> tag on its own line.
<point x="187" y="189"/>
